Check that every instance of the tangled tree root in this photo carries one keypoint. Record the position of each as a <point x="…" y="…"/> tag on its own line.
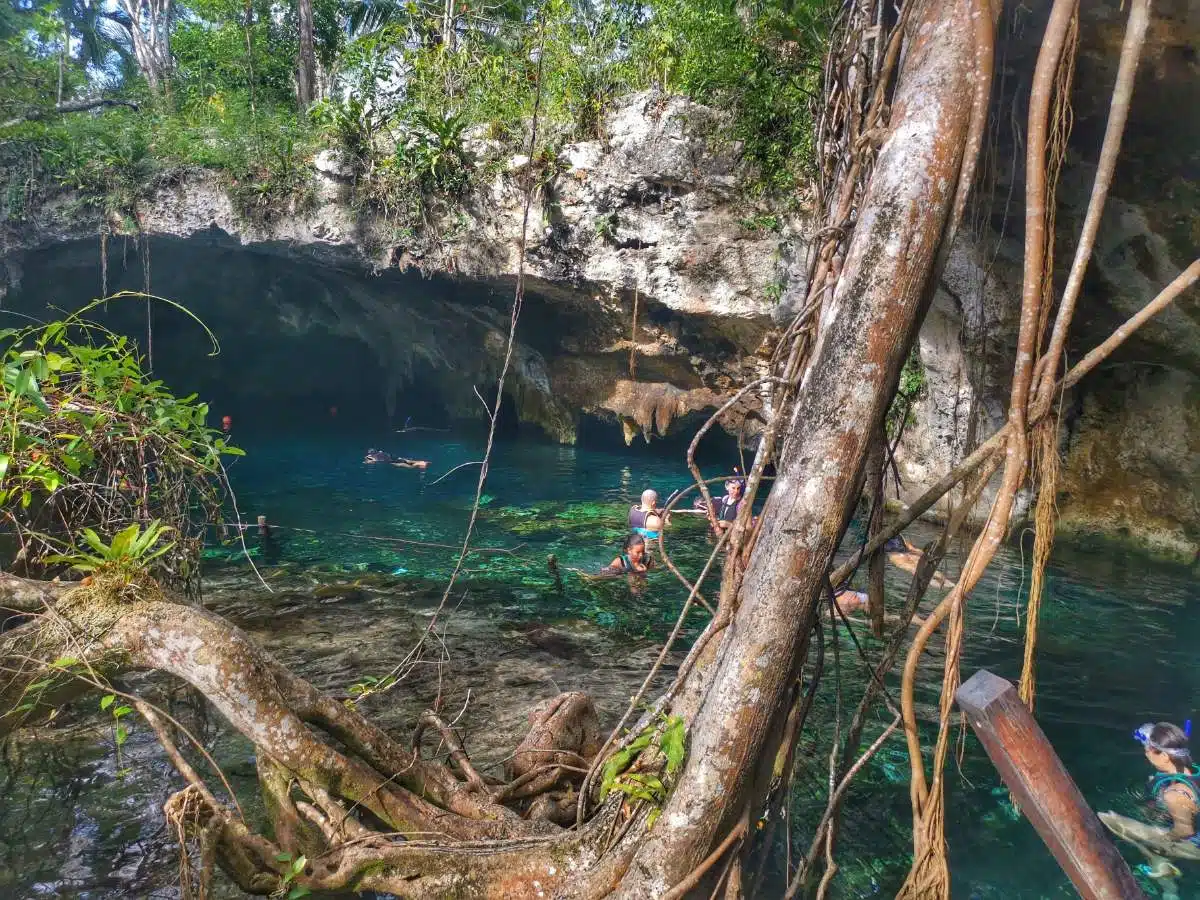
<point x="362" y="810"/>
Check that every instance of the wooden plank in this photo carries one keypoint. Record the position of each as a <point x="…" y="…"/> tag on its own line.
<point x="1044" y="790"/>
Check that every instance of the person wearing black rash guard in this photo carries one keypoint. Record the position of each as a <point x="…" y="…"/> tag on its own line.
<point x="726" y="508"/>
<point x="381" y="457"/>
<point x="633" y="559"/>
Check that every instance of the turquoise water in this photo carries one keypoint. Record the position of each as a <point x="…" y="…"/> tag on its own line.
<point x="344" y="597"/>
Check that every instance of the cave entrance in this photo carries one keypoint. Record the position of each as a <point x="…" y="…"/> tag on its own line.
<point x="508" y="422"/>
<point x="302" y="345"/>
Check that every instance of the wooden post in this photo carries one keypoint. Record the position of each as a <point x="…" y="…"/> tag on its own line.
<point x="1044" y="789"/>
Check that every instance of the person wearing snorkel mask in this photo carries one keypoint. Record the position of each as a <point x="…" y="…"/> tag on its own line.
<point x="1175" y="787"/>
<point x="1175" y="790"/>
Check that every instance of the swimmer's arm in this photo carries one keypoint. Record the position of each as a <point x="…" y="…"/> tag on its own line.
<point x="1182" y="806"/>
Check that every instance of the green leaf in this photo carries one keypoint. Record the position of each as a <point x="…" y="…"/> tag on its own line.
<point x="122" y="735"/>
<point x="107" y="700"/>
<point x="299" y="864"/>
<point x="93" y="540"/>
<point x="122" y="540"/>
<point x="122" y="711"/>
<point x="653" y="817"/>
<point x="283" y="857"/>
<point x="298" y="891"/>
<point x="673" y="744"/>
<point x="634" y="791"/>
<point x="65" y="662"/>
<point x="5" y="459"/>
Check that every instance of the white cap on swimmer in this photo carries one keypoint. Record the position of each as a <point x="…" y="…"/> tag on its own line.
<point x="649" y="497"/>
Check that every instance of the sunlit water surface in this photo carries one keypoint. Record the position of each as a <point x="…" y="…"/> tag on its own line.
<point x="358" y="565"/>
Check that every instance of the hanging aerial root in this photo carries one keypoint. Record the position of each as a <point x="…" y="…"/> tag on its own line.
<point x="1047" y="463"/>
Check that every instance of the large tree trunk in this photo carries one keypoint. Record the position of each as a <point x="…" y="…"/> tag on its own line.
<point x="865" y="335"/>
<point x="306" y="64"/>
<point x="150" y="32"/>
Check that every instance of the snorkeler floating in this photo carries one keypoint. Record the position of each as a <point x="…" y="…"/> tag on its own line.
<point x="384" y="458"/>
<point x="903" y="555"/>
<point x="1175" y="792"/>
<point x="849" y="601"/>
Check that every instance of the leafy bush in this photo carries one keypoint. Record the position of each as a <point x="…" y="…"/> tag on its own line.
<point x="435" y="153"/>
<point x="763" y="67"/>
<point x="913" y="380"/>
<point x="90" y="441"/>
<point x="400" y="94"/>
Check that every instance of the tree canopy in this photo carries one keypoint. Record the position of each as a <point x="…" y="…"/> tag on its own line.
<point x="98" y="96"/>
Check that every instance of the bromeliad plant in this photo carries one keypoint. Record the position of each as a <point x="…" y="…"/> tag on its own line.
<point x="91" y="444"/>
<point x="622" y="771"/>
<point x="131" y="552"/>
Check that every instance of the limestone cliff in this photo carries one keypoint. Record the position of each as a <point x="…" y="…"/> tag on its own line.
<point x="648" y="219"/>
<point x="1130" y="432"/>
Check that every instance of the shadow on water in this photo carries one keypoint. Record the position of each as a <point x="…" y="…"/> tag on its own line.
<point x="345" y="599"/>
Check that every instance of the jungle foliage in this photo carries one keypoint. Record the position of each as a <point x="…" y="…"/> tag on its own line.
<point x="400" y="86"/>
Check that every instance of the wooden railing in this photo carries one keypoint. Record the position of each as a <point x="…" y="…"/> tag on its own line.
<point x="1044" y="790"/>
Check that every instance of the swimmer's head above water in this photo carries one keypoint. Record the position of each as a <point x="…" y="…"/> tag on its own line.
<point x="634" y="546"/>
<point x="377" y="456"/>
<point x="1166" y="745"/>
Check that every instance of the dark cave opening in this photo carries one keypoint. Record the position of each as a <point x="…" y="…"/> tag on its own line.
<point x="301" y="345"/>
<point x="313" y="346"/>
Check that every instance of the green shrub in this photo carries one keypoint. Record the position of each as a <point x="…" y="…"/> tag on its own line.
<point x="91" y="441"/>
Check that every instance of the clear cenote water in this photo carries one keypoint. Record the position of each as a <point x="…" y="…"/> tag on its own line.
<point x="1118" y="647"/>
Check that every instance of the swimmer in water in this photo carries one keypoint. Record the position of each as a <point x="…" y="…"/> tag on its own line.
<point x="382" y="457"/>
<point x="1175" y="790"/>
<point x="633" y="559"/>
<point x="849" y="601"/>
<point x="903" y="555"/>
<point x="647" y="519"/>
<point x="726" y="508"/>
